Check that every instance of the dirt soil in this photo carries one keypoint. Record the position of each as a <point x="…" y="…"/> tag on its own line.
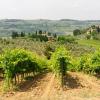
<point x="78" y="86"/>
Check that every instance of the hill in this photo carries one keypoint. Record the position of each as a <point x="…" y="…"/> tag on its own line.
<point x="63" y="26"/>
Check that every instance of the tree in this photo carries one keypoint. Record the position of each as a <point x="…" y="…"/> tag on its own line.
<point x="42" y="38"/>
<point x="40" y="32"/>
<point x="55" y="35"/>
<point x="98" y="29"/>
<point x="76" y="32"/>
<point x="14" y="34"/>
<point x="22" y="34"/>
<point x="36" y="32"/>
<point x="93" y="26"/>
<point x="29" y="34"/>
<point x="49" y="34"/>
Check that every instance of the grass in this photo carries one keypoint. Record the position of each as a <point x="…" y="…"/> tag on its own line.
<point x="93" y="43"/>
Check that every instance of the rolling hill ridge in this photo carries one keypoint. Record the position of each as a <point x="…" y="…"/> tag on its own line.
<point x="63" y="26"/>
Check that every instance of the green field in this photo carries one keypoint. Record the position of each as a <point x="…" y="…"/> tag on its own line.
<point x="93" y="43"/>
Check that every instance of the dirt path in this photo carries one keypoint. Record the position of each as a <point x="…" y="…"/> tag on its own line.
<point x="30" y="90"/>
<point x="79" y="86"/>
<point x="90" y="80"/>
<point x="45" y="96"/>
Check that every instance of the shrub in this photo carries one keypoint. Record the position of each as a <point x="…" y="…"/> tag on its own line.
<point x="49" y="49"/>
<point x="60" y="60"/>
<point x="95" y="62"/>
<point x="64" y="39"/>
<point x="20" y="61"/>
<point x="89" y="63"/>
<point x="76" y="32"/>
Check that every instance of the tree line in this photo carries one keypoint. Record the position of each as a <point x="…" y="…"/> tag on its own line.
<point x="38" y="35"/>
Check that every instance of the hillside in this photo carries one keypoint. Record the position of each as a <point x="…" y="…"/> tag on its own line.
<point x="63" y="26"/>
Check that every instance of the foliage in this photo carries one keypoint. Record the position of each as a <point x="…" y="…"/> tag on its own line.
<point x="91" y="32"/>
<point x="19" y="61"/>
<point x="14" y="34"/>
<point x="49" y="49"/>
<point x="39" y="37"/>
<point x="73" y="64"/>
<point x="66" y="39"/>
<point x="83" y="64"/>
<point x="87" y="36"/>
<point x="95" y="62"/>
<point x="60" y="60"/>
<point x="76" y="32"/>
<point x="89" y="63"/>
<point x="22" y="34"/>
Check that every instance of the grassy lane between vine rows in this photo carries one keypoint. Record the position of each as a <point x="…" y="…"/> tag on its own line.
<point x="93" y="43"/>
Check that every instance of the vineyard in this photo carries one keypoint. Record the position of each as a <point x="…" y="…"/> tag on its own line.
<point x="49" y="50"/>
<point x="24" y="61"/>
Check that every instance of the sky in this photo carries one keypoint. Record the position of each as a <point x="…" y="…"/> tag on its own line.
<point x="50" y="9"/>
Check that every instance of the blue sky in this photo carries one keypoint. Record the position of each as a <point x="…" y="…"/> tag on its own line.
<point x="50" y="9"/>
